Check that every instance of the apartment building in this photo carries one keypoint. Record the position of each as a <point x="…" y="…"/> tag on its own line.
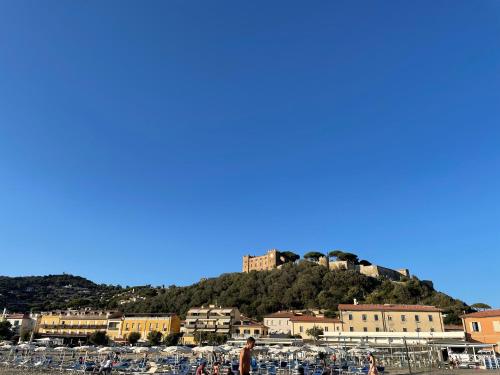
<point x="390" y="318"/>
<point x="279" y="322"/>
<point x="144" y="324"/>
<point x="483" y="327"/>
<point x="248" y="328"/>
<point x="209" y="319"/>
<point x="74" y="323"/>
<point x="302" y="323"/>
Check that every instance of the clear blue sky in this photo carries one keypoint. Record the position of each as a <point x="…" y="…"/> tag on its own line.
<point x="158" y="142"/>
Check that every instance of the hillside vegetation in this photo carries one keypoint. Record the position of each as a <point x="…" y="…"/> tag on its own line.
<point x="296" y="286"/>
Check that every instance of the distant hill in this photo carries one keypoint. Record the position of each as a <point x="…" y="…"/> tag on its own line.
<point x="296" y="286"/>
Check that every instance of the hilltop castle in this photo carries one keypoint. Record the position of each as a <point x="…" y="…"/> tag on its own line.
<point x="274" y="259"/>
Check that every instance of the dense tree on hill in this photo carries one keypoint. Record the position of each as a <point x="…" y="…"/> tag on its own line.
<point x="305" y="285"/>
<point x="342" y="255"/>
<point x="294" y="286"/>
<point x="289" y="256"/>
<point x="313" y="255"/>
<point x="480" y="306"/>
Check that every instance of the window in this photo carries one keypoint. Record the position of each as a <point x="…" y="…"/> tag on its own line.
<point x="417" y="330"/>
<point x="326" y="329"/>
<point x="432" y="329"/>
<point x="389" y="318"/>
<point x="301" y="329"/>
<point x="365" y="329"/>
<point x="138" y="326"/>
<point x="405" y="330"/>
<point x="377" y="329"/>
<point x="403" y="318"/>
<point x="431" y="318"/>
<point x="496" y="325"/>
<point x="376" y="317"/>
<point x="126" y="327"/>
<point x="350" y="316"/>
<point x="363" y="317"/>
<point x="351" y="329"/>
<point x="133" y="325"/>
<point x="476" y="327"/>
<point x="417" y="318"/>
<point x="257" y="331"/>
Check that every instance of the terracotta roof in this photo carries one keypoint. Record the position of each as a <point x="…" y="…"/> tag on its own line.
<point x="482" y="314"/>
<point x="280" y="314"/>
<point x="388" y="307"/>
<point x="313" y="319"/>
<point x="453" y="327"/>
<point x="17" y="316"/>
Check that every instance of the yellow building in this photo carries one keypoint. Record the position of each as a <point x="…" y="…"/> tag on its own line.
<point x="248" y="328"/>
<point x="73" y="323"/>
<point x="390" y="318"/>
<point x="301" y="323"/>
<point x="144" y="324"/>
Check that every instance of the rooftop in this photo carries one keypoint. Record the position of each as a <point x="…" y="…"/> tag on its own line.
<point x="313" y="319"/>
<point x="482" y="314"/>
<point x="388" y="307"/>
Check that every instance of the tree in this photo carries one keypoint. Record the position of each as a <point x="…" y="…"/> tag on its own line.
<point x="313" y="256"/>
<point x="480" y="306"/>
<point x="98" y="338"/>
<point x="315" y="332"/>
<point x="331" y="314"/>
<point x="154" y="338"/>
<point x="133" y="337"/>
<point x="5" y="330"/>
<point x="342" y="255"/>
<point x="289" y="256"/>
<point x="335" y="253"/>
<point x="172" y="339"/>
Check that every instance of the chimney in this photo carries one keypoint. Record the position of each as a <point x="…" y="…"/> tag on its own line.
<point x="355" y="301"/>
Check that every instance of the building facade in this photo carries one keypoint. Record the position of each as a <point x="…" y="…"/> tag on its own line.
<point x="302" y="323"/>
<point x="269" y="261"/>
<point x="146" y="323"/>
<point x="390" y="318"/>
<point x="279" y="322"/>
<point x="19" y="322"/>
<point x="74" y="323"/>
<point x="483" y="327"/>
<point x="209" y="319"/>
<point x="248" y="328"/>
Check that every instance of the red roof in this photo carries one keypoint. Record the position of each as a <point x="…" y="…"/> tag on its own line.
<point x="281" y="314"/>
<point x="388" y="307"/>
<point x="17" y="316"/>
<point x="313" y="319"/>
<point x="483" y="314"/>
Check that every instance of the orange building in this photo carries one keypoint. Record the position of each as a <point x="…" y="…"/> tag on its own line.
<point x="483" y="327"/>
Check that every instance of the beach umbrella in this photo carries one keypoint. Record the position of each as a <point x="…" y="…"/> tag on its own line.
<point x="41" y="349"/>
<point x="61" y="348"/>
<point x="178" y="350"/>
<point x="105" y="350"/>
<point x="5" y="347"/>
<point x="141" y="349"/>
<point x="290" y="349"/>
<point x="85" y="348"/>
<point x="208" y="349"/>
<point x="227" y="347"/>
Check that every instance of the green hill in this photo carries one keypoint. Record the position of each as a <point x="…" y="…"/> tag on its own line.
<point x="296" y="286"/>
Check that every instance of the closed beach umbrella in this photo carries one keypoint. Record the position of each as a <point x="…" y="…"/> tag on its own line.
<point x="177" y="350"/>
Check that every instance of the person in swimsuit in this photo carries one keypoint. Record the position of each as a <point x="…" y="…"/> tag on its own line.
<point x="245" y="356"/>
<point x="373" y="365"/>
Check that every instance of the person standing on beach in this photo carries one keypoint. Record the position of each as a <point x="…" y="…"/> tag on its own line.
<point x="245" y="356"/>
<point x="373" y="365"/>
